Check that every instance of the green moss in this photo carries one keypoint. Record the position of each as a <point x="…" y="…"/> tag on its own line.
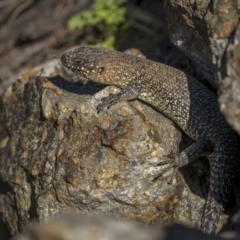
<point x="106" y="15"/>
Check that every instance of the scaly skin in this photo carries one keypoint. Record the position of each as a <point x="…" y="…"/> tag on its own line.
<point x="191" y="105"/>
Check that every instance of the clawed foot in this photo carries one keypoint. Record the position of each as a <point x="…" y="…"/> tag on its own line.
<point x="107" y="102"/>
<point x="172" y="165"/>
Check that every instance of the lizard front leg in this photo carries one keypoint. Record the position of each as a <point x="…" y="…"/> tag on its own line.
<point x="131" y="92"/>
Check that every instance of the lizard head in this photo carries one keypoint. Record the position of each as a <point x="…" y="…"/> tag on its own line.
<point x="99" y="64"/>
<point x="84" y="61"/>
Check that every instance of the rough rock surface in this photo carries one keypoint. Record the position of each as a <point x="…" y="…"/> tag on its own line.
<point x="84" y="227"/>
<point x="230" y="85"/>
<point x="57" y="153"/>
<point x="208" y="32"/>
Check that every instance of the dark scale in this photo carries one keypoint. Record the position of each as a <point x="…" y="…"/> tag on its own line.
<point x="183" y="99"/>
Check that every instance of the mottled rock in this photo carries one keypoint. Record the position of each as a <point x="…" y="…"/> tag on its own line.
<point x="58" y="154"/>
<point x="84" y="227"/>
<point x="230" y="85"/>
<point x="93" y="227"/>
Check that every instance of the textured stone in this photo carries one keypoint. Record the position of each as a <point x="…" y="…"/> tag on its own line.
<point x="84" y="227"/>
<point x="230" y="85"/>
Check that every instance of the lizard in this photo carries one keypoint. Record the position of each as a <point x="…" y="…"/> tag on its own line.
<point x="182" y="98"/>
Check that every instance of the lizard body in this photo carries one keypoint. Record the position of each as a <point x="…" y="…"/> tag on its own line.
<point x="190" y="104"/>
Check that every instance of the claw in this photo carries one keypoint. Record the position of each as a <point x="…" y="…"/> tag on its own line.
<point x="173" y="164"/>
<point x="107" y="102"/>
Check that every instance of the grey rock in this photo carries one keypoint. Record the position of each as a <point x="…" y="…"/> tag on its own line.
<point x="229" y="99"/>
<point x="83" y="227"/>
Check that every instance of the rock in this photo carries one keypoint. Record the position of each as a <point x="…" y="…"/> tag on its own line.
<point x="229" y="99"/>
<point x="58" y="154"/>
<point x="84" y="227"/>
